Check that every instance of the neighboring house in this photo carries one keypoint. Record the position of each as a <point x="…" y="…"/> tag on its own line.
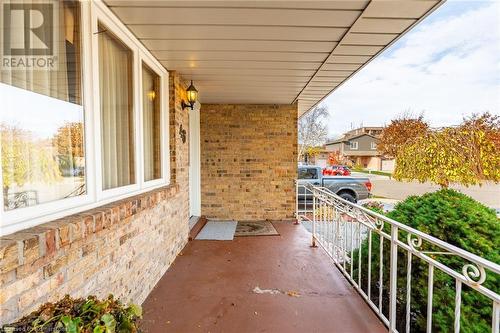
<point x="359" y="147"/>
<point x="375" y="131"/>
<point x="318" y="156"/>
<point x="321" y="158"/>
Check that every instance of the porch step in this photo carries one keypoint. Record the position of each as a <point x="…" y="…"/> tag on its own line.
<point x="192" y="221"/>
<point x="196" y="223"/>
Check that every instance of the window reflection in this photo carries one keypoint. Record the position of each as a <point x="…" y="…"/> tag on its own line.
<point x="42" y="121"/>
<point x="151" y="120"/>
<point x="40" y="163"/>
<point x="62" y="81"/>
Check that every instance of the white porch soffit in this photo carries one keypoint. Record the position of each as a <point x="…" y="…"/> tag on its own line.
<point x="261" y="52"/>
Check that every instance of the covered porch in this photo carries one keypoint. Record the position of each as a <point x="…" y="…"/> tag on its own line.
<point x="258" y="67"/>
<point x="211" y="287"/>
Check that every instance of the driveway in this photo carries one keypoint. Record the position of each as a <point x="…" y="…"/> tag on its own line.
<point x="488" y="194"/>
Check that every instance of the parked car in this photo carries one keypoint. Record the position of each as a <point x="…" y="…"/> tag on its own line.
<point x="349" y="188"/>
<point x="336" y="170"/>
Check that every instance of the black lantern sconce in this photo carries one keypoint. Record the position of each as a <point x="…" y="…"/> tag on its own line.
<point x="192" y="97"/>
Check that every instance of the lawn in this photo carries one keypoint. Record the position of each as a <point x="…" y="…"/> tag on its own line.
<point x="374" y="172"/>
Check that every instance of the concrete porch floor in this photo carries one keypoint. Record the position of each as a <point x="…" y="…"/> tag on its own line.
<point x="209" y="288"/>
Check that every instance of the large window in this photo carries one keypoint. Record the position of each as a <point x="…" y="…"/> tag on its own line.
<point x="42" y="118"/>
<point x="89" y="130"/>
<point x="117" y="116"/>
<point x="151" y="123"/>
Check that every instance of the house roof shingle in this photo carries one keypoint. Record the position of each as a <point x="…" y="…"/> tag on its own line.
<point x="347" y="138"/>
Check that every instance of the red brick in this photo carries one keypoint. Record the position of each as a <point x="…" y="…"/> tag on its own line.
<point x="50" y="241"/>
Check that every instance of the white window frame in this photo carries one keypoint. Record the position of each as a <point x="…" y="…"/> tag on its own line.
<point x="105" y="19"/>
<point x="373" y="145"/>
<point x="353" y="145"/>
<point x="93" y="12"/>
<point x="157" y="68"/>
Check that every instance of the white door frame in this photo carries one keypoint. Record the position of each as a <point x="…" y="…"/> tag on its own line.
<point x="194" y="162"/>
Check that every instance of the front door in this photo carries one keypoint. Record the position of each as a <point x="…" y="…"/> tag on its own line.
<point x="194" y="163"/>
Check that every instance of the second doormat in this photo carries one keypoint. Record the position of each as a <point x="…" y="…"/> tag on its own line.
<point x="255" y="228"/>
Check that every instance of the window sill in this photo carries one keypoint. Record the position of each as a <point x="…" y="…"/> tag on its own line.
<point x="50" y="236"/>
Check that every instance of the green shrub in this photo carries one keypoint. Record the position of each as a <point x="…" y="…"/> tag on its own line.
<point x="88" y="315"/>
<point x="456" y="219"/>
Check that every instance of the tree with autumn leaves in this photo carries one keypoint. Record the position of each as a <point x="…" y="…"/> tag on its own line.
<point x="69" y="140"/>
<point x="69" y="143"/>
<point x="334" y="158"/>
<point x="401" y="131"/>
<point x="28" y="160"/>
<point x="24" y="160"/>
<point x="467" y="154"/>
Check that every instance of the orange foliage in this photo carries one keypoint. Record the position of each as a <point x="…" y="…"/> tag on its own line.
<point x="334" y="158"/>
<point x="401" y="131"/>
<point x="69" y="140"/>
<point x="466" y="154"/>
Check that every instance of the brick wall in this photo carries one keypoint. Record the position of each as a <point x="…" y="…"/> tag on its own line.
<point x="248" y="161"/>
<point x="121" y="248"/>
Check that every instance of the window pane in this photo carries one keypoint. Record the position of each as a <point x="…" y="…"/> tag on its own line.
<point x="151" y="120"/>
<point x="42" y="121"/>
<point x="117" y="124"/>
<point x="54" y="72"/>
<point x="308" y="173"/>
<point x="313" y="173"/>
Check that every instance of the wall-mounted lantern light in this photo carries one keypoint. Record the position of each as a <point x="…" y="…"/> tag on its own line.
<point x="192" y="97"/>
<point x="151" y="95"/>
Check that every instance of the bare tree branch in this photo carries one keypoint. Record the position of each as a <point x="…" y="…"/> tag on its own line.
<point x="312" y="129"/>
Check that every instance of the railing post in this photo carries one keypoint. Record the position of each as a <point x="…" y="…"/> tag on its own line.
<point x="495" y="324"/>
<point x="430" y="293"/>
<point x="296" y="202"/>
<point x="393" y="278"/>
<point x="313" y="240"/>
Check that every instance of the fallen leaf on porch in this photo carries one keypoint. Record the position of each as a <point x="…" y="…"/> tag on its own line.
<point x="293" y="293"/>
<point x="257" y="290"/>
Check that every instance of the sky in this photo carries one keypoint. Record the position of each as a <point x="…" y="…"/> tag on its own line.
<point x="41" y="115"/>
<point x="447" y="67"/>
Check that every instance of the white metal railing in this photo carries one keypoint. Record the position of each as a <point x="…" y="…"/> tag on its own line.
<point x="357" y="239"/>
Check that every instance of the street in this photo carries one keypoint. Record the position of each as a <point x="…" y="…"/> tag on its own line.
<point x="488" y="194"/>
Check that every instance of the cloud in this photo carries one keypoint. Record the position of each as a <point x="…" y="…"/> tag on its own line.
<point x="447" y="67"/>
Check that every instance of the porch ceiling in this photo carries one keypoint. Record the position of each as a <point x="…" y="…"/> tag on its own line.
<point x="276" y="52"/>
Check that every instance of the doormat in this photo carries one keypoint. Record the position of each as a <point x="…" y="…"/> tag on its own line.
<point x="217" y="230"/>
<point x="255" y="228"/>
